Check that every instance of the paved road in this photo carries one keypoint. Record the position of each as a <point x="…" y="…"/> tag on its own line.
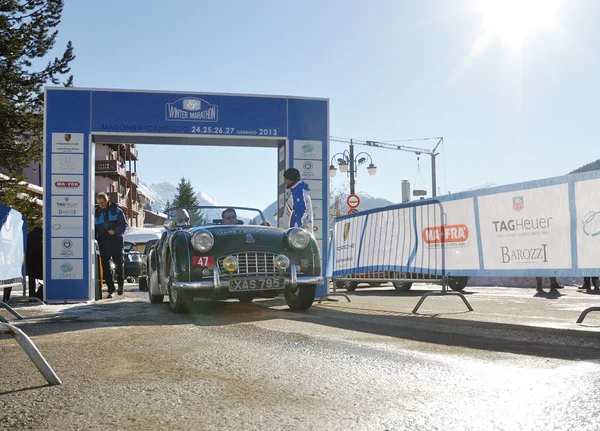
<point x="364" y="365"/>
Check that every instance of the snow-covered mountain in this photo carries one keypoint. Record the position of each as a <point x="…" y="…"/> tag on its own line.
<point x="367" y="202"/>
<point x="163" y="192"/>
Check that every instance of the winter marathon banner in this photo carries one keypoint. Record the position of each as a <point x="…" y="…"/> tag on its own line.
<point x="538" y="228"/>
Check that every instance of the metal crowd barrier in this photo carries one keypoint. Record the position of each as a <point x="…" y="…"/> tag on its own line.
<point x="32" y="351"/>
<point x="15" y="282"/>
<point x="400" y="244"/>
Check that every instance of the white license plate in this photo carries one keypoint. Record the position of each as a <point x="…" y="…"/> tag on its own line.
<point x="256" y="283"/>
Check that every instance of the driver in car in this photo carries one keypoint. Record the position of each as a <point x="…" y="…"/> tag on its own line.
<point x="229" y="216"/>
<point x="182" y="217"/>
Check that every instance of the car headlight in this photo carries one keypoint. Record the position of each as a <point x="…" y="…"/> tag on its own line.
<point x="203" y="241"/>
<point x="230" y="263"/>
<point x="298" y="238"/>
<point x="282" y="262"/>
<point x="135" y="258"/>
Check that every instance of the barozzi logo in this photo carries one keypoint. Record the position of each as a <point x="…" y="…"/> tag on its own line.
<point x="192" y="109"/>
<point x="524" y="255"/>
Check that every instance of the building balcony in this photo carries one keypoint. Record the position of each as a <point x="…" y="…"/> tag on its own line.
<point x="117" y="199"/>
<point x="136" y="207"/>
<point x="133" y="178"/>
<point x="131" y="152"/>
<point x="111" y="168"/>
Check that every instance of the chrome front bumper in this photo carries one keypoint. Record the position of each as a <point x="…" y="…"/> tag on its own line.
<point x="216" y="283"/>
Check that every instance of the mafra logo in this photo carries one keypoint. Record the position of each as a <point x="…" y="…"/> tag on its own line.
<point x="67" y="137"/>
<point x="67" y="184"/>
<point x="454" y="234"/>
<point x="346" y="231"/>
<point x="518" y="203"/>
<point x="192" y="109"/>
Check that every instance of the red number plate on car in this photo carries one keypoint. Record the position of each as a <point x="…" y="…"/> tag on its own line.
<point x="204" y="261"/>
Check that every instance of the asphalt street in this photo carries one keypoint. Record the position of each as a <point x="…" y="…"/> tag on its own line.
<point x="518" y="361"/>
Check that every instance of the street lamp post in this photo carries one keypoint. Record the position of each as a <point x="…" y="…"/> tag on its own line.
<point x="349" y="163"/>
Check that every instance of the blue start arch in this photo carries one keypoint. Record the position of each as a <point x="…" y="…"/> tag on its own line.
<point x="76" y="118"/>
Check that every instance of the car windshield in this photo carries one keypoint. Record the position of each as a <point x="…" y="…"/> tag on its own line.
<point x="215" y="215"/>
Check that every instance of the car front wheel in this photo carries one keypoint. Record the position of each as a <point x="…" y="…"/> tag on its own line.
<point x="402" y="286"/>
<point x="302" y="298"/>
<point x="178" y="301"/>
<point x="350" y="286"/>
<point x="154" y="299"/>
<point x="458" y="283"/>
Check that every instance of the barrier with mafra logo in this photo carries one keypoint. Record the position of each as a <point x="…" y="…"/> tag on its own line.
<point x="541" y="228"/>
<point x="385" y="245"/>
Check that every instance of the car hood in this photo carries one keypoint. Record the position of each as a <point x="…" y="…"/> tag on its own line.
<point x="238" y="237"/>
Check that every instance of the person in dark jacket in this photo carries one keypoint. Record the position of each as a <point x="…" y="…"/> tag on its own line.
<point x="553" y="284"/>
<point x="110" y="227"/>
<point x="34" y="261"/>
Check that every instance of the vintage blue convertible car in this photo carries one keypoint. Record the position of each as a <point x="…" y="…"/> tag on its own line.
<point x="220" y="253"/>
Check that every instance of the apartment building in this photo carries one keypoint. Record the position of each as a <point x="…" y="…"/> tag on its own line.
<point x="116" y="175"/>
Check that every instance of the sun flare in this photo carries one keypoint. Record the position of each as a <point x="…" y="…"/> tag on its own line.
<point x="514" y="20"/>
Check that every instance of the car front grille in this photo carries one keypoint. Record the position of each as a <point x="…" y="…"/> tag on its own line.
<point x="252" y="263"/>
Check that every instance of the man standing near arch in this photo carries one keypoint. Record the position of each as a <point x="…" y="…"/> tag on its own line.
<point x="110" y="227"/>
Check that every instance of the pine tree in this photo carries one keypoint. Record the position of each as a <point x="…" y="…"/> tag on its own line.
<point x="185" y="195"/>
<point x="27" y="34"/>
<point x="167" y="206"/>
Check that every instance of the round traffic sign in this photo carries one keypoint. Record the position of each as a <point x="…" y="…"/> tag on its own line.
<point x="352" y="211"/>
<point x="353" y="201"/>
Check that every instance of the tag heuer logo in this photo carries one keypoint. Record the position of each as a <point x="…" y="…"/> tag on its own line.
<point x="346" y="231"/>
<point x="518" y="203"/>
<point x="67" y="137"/>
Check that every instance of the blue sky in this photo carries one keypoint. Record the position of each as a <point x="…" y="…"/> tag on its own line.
<point x="393" y="70"/>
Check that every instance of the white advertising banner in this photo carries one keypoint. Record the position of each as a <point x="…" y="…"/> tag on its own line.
<point x="67" y="184"/>
<point x="346" y="240"/>
<point x="67" y="226"/>
<point x="67" y="142"/>
<point x="67" y="163"/>
<point x="64" y="248"/>
<point x="587" y="202"/>
<point x="459" y="235"/>
<point x="526" y="229"/>
<point x="307" y="149"/>
<point x="309" y="169"/>
<point x="389" y="239"/>
<point x="67" y="205"/>
<point x="66" y="269"/>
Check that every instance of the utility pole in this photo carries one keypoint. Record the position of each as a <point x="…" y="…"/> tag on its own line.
<point x="351" y="167"/>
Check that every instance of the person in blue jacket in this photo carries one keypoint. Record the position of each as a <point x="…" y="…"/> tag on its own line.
<point x="298" y="203"/>
<point x="110" y="227"/>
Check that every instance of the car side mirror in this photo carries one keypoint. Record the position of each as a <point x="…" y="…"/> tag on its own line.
<point x="170" y="225"/>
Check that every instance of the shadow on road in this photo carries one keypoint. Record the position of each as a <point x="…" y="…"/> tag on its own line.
<point x="430" y="328"/>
